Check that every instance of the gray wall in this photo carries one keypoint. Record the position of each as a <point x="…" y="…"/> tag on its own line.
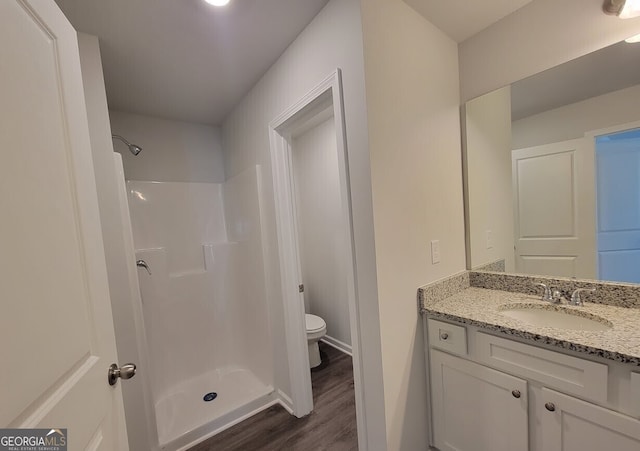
<point x="173" y="151"/>
<point x="574" y="120"/>
<point x="539" y="36"/>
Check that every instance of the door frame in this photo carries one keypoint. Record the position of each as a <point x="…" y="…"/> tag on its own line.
<point x="326" y="94"/>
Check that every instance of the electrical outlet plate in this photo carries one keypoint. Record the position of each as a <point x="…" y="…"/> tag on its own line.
<point x="435" y="251"/>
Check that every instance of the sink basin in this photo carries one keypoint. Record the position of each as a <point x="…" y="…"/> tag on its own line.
<point x="555" y="316"/>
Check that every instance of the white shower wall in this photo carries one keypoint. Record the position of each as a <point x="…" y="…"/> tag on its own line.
<point x="178" y="217"/>
<point x="204" y="303"/>
<point x="243" y="215"/>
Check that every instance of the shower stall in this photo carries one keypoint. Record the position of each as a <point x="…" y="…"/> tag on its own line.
<point x="202" y="287"/>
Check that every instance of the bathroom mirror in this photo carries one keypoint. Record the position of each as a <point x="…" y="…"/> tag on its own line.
<point x="552" y="171"/>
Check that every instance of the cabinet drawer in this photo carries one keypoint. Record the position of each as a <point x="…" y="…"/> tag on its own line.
<point x="448" y="337"/>
<point x="555" y="370"/>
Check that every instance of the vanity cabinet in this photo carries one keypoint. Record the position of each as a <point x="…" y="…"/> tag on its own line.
<point x="570" y="424"/>
<point x="477" y="408"/>
<point x="498" y="394"/>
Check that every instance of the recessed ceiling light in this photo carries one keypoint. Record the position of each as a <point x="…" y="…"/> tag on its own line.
<point x="217" y="2"/>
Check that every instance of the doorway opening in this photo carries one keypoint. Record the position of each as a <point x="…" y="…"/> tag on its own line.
<point x="315" y="235"/>
<point x="617" y="157"/>
<point x="321" y="232"/>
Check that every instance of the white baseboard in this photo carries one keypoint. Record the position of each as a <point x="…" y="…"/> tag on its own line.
<point x="285" y="401"/>
<point x="200" y="434"/>
<point x="340" y="346"/>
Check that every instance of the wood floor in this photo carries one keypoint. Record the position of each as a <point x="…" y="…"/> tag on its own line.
<point x="331" y="426"/>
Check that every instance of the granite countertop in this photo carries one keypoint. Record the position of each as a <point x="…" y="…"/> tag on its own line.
<point x="481" y="307"/>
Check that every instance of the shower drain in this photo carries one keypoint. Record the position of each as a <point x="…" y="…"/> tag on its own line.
<point x="210" y="396"/>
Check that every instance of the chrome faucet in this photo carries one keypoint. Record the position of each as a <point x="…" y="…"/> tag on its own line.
<point x="143" y="264"/>
<point x="550" y="295"/>
<point x="575" y="296"/>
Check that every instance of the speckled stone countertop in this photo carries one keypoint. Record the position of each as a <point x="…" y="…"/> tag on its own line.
<point x="482" y="308"/>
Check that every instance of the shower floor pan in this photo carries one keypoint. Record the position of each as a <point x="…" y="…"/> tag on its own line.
<point x="183" y="411"/>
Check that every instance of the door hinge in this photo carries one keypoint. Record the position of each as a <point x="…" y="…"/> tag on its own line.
<point x="301" y="288"/>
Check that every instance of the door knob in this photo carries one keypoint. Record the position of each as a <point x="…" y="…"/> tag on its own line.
<point x="125" y="372"/>
<point x="550" y="406"/>
<point x="516" y="393"/>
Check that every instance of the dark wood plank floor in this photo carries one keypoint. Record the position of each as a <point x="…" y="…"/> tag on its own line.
<point x="331" y="426"/>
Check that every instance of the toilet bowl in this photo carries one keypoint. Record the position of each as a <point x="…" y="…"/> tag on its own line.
<point x="316" y="329"/>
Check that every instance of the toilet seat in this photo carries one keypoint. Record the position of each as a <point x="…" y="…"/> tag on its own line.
<point x="314" y="323"/>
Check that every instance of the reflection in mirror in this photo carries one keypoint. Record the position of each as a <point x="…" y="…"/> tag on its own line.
<point x="552" y="171"/>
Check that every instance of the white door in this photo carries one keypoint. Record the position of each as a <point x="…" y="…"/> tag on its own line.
<point x="56" y="323"/>
<point x="569" y="424"/>
<point x="476" y="408"/>
<point x="554" y="209"/>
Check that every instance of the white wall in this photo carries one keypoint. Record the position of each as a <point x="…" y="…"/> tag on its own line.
<point x="488" y="172"/>
<point x="321" y="231"/>
<point x="411" y="71"/>
<point x="172" y="151"/>
<point x="332" y="40"/>
<point x="539" y="36"/>
<point x="572" y="121"/>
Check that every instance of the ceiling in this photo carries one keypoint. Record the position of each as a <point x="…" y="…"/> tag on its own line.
<point x="189" y="61"/>
<point x="606" y="70"/>
<point x="461" y="19"/>
<point x="184" y="59"/>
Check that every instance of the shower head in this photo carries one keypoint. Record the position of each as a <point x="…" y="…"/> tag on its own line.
<point x="134" y="149"/>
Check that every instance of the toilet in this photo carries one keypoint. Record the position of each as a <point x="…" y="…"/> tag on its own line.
<point x="316" y="329"/>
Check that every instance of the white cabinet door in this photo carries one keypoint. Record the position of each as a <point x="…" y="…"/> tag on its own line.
<point x="476" y="408"/>
<point x="569" y="424"/>
<point x="55" y="312"/>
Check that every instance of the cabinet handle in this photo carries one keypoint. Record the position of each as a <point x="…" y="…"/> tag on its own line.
<point x="550" y="406"/>
<point x="516" y="393"/>
<point x="444" y="336"/>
